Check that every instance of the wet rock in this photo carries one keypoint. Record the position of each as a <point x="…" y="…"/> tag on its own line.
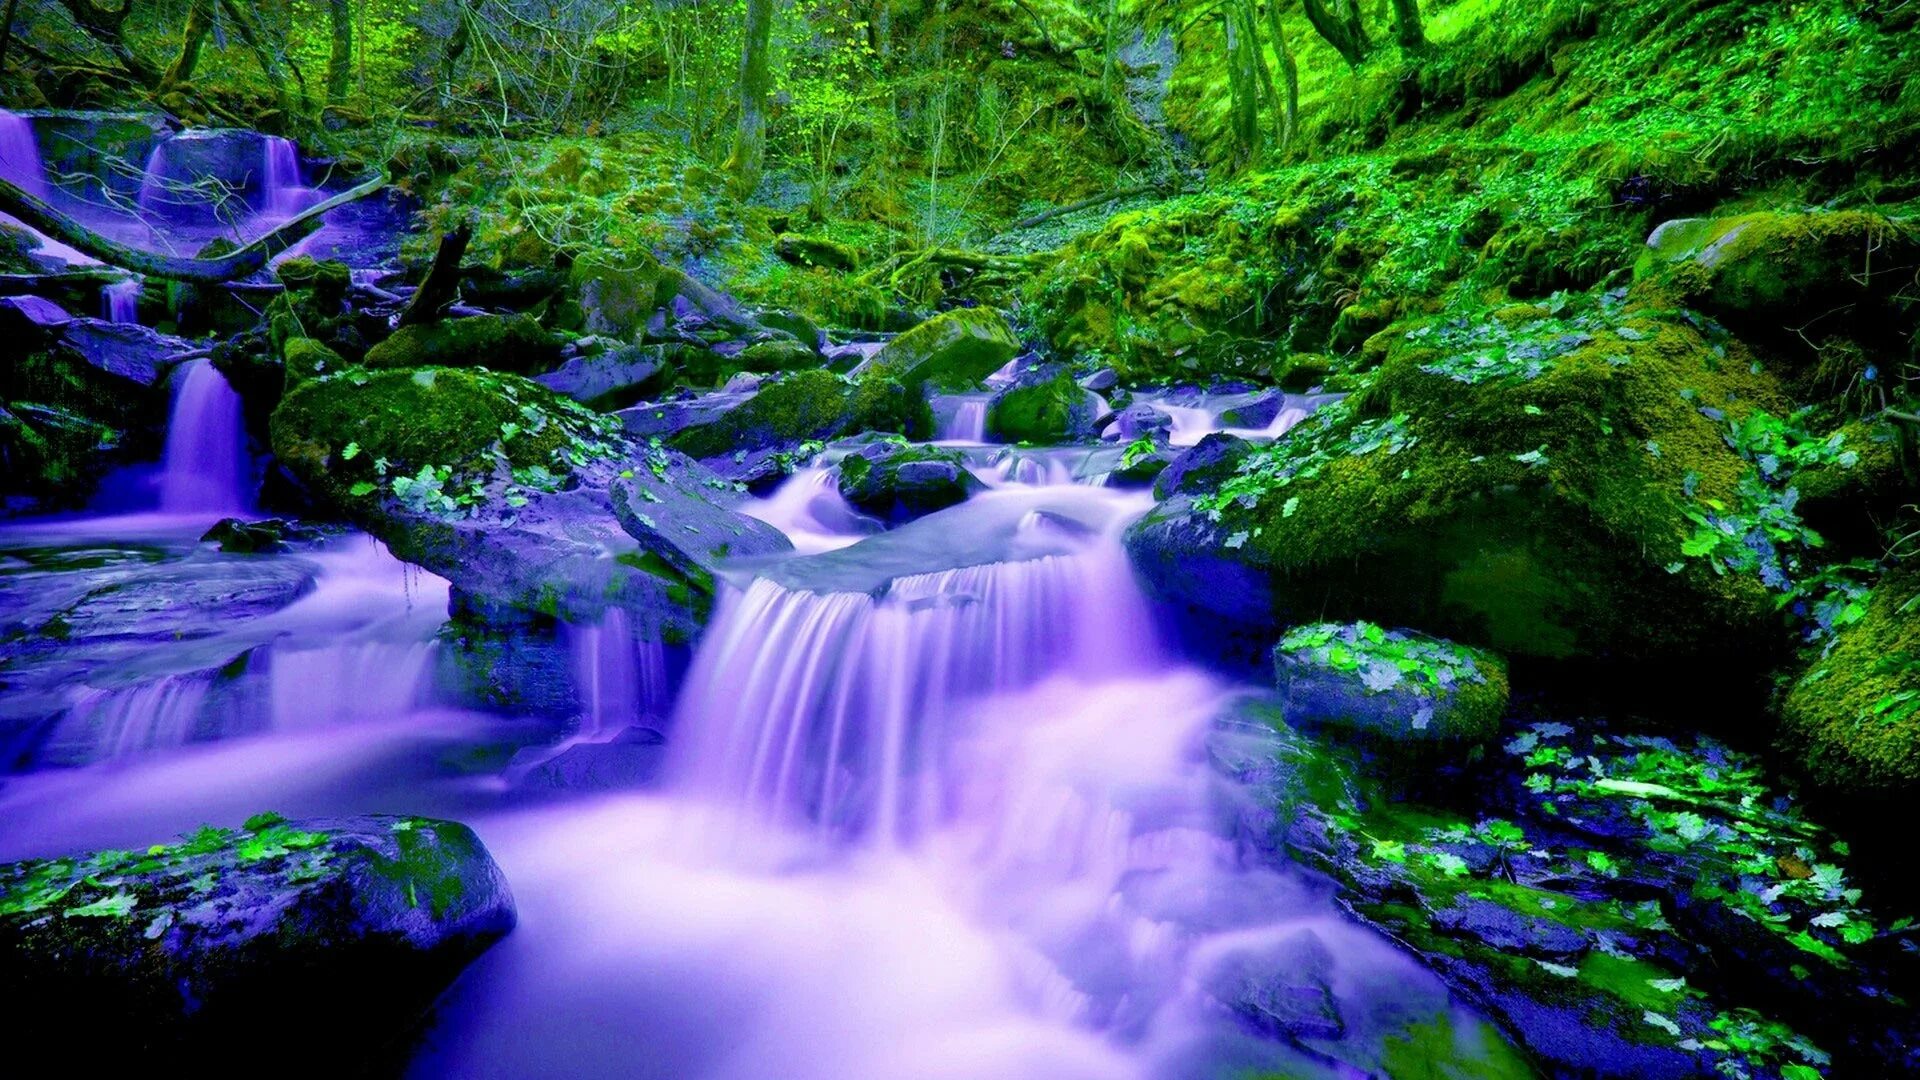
<point x="31" y="322"/>
<point x="1255" y="413"/>
<point x="617" y="298"/>
<point x="513" y="343"/>
<point x="1136" y="421"/>
<point x="1101" y="381"/>
<point x="135" y="355"/>
<point x="204" y="949"/>
<point x="168" y="602"/>
<point x="1203" y="465"/>
<point x="1391" y="685"/>
<point x="631" y="759"/>
<point x="615" y="379"/>
<point x="793" y="324"/>
<point x="953" y="351"/>
<point x="898" y="481"/>
<point x="687" y="523"/>
<point x="801" y="406"/>
<point x="1284" y="989"/>
<point x="268" y="536"/>
<point x="198" y="171"/>
<point x="777" y="354"/>
<point x="1510" y="931"/>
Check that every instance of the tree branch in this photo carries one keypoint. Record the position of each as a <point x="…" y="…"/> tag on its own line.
<point x="37" y="215"/>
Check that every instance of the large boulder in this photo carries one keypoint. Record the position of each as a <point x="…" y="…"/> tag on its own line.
<point x="135" y="355"/>
<point x="954" y="350"/>
<point x="1390" y="687"/>
<point x="1044" y="405"/>
<point x="614" y="379"/>
<point x="1854" y="717"/>
<point x="198" y="172"/>
<point x="513" y="343"/>
<point x="1778" y="269"/>
<point x="506" y="490"/>
<point x="202" y="950"/>
<point x="897" y="481"/>
<point x="802" y="406"/>
<point x="618" y="297"/>
<point x="1535" y="485"/>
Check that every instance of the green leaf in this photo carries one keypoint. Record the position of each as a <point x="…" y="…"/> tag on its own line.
<point x="363" y="488"/>
<point x="264" y="820"/>
<point x="117" y="906"/>
<point x="350" y="451"/>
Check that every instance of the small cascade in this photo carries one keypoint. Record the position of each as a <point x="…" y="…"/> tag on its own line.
<point x="104" y="724"/>
<point x="205" y="465"/>
<point x="809" y="508"/>
<point x="120" y="301"/>
<point x="20" y="161"/>
<point x="344" y="682"/>
<point x="154" y="194"/>
<point x="284" y="192"/>
<point x="966" y="423"/>
<point x="835" y="708"/>
<point x="1030" y="469"/>
<point x="621" y="679"/>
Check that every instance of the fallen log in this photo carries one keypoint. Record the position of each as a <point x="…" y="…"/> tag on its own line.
<point x="37" y="215"/>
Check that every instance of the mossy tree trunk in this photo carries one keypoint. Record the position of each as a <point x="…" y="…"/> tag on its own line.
<point x="1339" y="22"/>
<point x="1243" y="83"/>
<point x="1288" y="120"/>
<point x="106" y="25"/>
<point x="192" y="35"/>
<point x="1407" y="26"/>
<point x="340" y="59"/>
<point x="756" y="79"/>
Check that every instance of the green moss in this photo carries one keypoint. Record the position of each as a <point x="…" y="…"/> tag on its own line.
<point x="306" y="358"/>
<point x="1755" y="265"/>
<point x="954" y="350"/>
<point x="1532" y="487"/>
<point x="1460" y="692"/>
<point x="880" y="403"/>
<point x="803" y="405"/>
<point x="513" y="343"/>
<point x="1043" y="411"/>
<point x="1854" y="716"/>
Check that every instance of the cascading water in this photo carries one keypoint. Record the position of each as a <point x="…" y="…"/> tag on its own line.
<point x="20" y="161"/>
<point x="621" y="679"/>
<point x="284" y="192"/>
<point x="120" y="301"/>
<point x="205" y="467"/>
<point x="967" y="423"/>
<point x="833" y="708"/>
<point x="809" y="508"/>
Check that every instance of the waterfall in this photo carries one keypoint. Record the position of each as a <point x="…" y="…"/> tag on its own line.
<point x="284" y="192"/>
<point x="101" y="724"/>
<point x="835" y="708"/>
<point x="153" y="182"/>
<point x="20" y="161"/>
<point x="621" y="680"/>
<point x="120" y="301"/>
<point x="967" y="422"/>
<point x="809" y="508"/>
<point x="342" y="683"/>
<point x="205" y="466"/>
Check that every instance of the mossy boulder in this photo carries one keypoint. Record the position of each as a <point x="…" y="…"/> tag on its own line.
<point x="1392" y="687"/>
<point x="617" y="297"/>
<point x="306" y="358"/>
<point x="801" y="406"/>
<point x="953" y="351"/>
<point x="1044" y="405"/>
<point x="203" y="949"/>
<point x="329" y="280"/>
<point x="1782" y="269"/>
<point x="880" y="403"/>
<point x="777" y="354"/>
<point x="898" y="481"/>
<point x="1535" y="488"/>
<point x="514" y="343"/>
<point x="1854" y="717"/>
<point x="801" y="249"/>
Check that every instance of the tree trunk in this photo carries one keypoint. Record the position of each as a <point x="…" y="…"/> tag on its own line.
<point x="756" y="78"/>
<point x="37" y="215"/>
<point x="441" y="287"/>
<point x="1242" y="86"/>
<point x="106" y="25"/>
<point x="6" y="32"/>
<point x="1341" y="26"/>
<point x="199" y="25"/>
<point x="249" y="31"/>
<point x="1289" y="121"/>
<point x="340" y="60"/>
<point x="1406" y="24"/>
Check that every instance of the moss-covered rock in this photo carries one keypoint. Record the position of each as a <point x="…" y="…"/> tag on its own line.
<point x="802" y="406"/>
<point x="1780" y="269"/>
<point x="881" y="403"/>
<point x="954" y="350"/>
<point x="777" y="354"/>
<point x="329" y="280"/>
<point x="1854" y="716"/>
<point x="1044" y="405"/>
<point x="514" y="343"/>
<point x="1535" y="487"/>
<point x="202" y="949"/>
<point x="1392" y="687"/>
<point x="306" y="358"/>
<point x="617" y="296"/>
<point x="899" y="481"/>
